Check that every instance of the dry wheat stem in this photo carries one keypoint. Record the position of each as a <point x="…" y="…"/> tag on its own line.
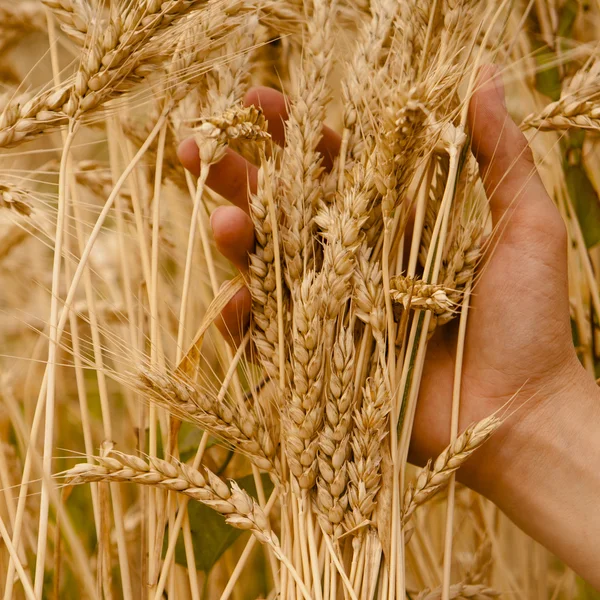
<point x="61" y="324"/>
<point x="52" y="360"/>
<point x="456" y="394"/>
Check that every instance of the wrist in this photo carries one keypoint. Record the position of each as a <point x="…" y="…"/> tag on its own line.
<point x="542" y="468"/>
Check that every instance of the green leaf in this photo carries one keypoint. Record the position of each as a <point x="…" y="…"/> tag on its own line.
<point x="211" y="534"/>
<point x="585" y="201"/>
<point x="547" y="78"/>
<point x="586" y="591"/>
<point x="566" y="20"/>
<point x="189" y="440"/>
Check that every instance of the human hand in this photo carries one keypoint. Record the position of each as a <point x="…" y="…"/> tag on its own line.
<point x="518" y="336"/>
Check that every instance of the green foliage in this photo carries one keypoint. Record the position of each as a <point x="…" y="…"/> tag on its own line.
<point x="189" y="440"/>
<point x="212" y="536"/>
<point x="585" y="202"/>
<point x="585" y="591"/>
<point x="582" y="192"/>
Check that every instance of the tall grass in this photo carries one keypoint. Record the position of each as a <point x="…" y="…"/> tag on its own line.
<point x="278" y="466"/>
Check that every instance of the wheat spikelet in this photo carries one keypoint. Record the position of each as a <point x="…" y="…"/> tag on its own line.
<point x="460" y="591"/>
<point x="561" y="115"/>
<point x="75" y="16"/>
<point x="364" y="468"/>
<point x="340" y="226"/>
<point x="305" y="405"/>
<point x="15" y="199"/>
<point x="236" y="123"/>
<point x="301" y="192"/>
<point x="245" y="431"/>
<point x="412" y="292"/>
<point x="334" y="438"/>
<point x="435" y="475"/>
<point x="263" y="281"/>
<point x="117" y="59"/>
<point x="577" y="106"/>
<point x="239" y="509"/>
<point x="360" y="86"/>
<point x="399" y="146"/>
<point x="368" y="295"/>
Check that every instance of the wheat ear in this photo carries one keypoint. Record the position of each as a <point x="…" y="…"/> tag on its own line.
<point x="460" y="591"/>
<point x="436" y="475"/>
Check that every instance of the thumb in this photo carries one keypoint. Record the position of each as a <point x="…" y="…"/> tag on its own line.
<point x="516" y="193"/>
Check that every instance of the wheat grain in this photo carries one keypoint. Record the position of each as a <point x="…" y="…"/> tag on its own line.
<point x="76" y="17"/>
<point x="301" y="192"/>
<point x="117" y="59"/>
<point x="576" y="108"/>
<point x="415" y="293"/>
<point x="239" y="509"/>
<point x="263" y="282"/>
<point x="435" y="476"/>
<point x="334" y="438"/>
<point x="460" y="591"/>
<point x="304" y="406"/>
<point x="244" y="431"/>
<point x="364" y="468"/>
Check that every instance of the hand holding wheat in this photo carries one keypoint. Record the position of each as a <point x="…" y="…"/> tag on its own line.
<point x="414" y="295"/>
<point x="519" y="335"/>
<point x="520" y="314"/>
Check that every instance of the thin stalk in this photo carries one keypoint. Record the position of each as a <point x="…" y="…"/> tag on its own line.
<point x="54" y="339"/>
<point x="312" y="549"/>
<point x="25" y="581"/>
<point x="458" y="368"/>
<point x="188" y="543"/>
<point x="176" y="527"/>
<point x="189" y="261"/>
<point x="157" y="520"/>
<point x="78" y="552"/>
<point x="339" y="567"/>
<point x="241" y="563"/>
<point x="41" y="403"/>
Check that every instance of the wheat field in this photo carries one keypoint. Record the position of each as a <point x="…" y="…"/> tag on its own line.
<point x="177" y="426"/>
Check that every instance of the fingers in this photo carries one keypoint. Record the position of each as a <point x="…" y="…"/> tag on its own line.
<point x="274" y="107"/>
<point x="235" y="317"/>
<point x="516" y="193"/>
<point x="234" y="234"/>
<point x="233" y="177"/>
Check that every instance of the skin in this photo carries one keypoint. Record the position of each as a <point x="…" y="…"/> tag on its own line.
<point x="541" y="467"/>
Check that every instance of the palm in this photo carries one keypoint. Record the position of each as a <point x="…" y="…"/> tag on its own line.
<point x="518" y="335"/>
